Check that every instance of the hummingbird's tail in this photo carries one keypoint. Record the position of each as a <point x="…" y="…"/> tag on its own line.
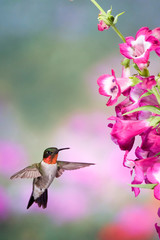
<point x="41" y="201"/>
<point x="31" y="201"/>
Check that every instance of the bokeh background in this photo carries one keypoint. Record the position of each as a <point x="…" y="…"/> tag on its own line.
<point x="51" y="55"/>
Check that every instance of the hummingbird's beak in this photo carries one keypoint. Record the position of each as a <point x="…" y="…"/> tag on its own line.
<point x="63" y="149"/>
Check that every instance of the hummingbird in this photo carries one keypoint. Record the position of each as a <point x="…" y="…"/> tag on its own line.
<point x="43" y="174"/>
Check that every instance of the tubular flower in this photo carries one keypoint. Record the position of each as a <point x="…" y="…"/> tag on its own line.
<point x="139" y="48"/>
<point x="156" y="33"/>
<point x="150" y="143"/>
<point x="124" y="131"/>
<point x="147" y="83"/>
<point x="153" y="175"/>
<point x="109" y="87"/>
<point x="157" y="229"/>
<point x="112" y="87"/>
<point x="147" y="170"/>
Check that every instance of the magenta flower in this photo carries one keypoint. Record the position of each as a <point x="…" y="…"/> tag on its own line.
<point x="124" y="131"/>
<point x="147" y="83"/>
<point x="109" y="87"/>
<point x="157" y="50"/>
<point x="153" y="175"/>
<point x="134" y="101"/>
<point x="150" y="143"/>
<point x="139" y="48"/>
<point x="136" y="172"/>
<point x="147" y="170"/>
<point x="124" y="81"/>
<point x="156" y="33"/>
<point x="157" y="229"/>
<point x="112" y="87"/>
<point x="126" y="106"/>
<point x="102" y="26"/>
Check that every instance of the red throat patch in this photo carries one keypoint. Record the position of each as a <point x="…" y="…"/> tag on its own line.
<point x="50" y="159"/>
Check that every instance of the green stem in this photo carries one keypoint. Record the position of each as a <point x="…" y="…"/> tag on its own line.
<point x="118" y="33"/>
<point x="98" y="6"/>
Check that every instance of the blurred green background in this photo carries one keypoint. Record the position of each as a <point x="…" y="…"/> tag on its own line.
<point x="51" y="55"/>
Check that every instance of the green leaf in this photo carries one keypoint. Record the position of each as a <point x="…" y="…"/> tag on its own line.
<point x="109" y="11"/>
<point x="146" y="94"/>
<point x="116" y="17"/>
<point x="154" y="121"/>
<point x="147" y="186"/>
<point x="135" y="81"/>
<point x="156" y="93"/>
<point x="149" y="108"/>
<point x="157" y="154"/>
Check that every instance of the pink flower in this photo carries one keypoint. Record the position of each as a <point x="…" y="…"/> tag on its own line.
<point x="124" y="131"/>
<point x="102" y="26"/>
<point x="112" y="87"/>
<point x="139" y="48"/>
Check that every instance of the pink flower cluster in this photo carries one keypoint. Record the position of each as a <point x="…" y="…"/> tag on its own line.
<point x="139" y="113"/>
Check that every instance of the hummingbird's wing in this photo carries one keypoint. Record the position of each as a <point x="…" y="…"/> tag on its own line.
<point x="28" y="172"/>
<point x="63" y="165"/>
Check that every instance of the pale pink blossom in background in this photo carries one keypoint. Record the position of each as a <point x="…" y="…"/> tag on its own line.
<point x="12" y="157"/>
<point x="65" y="202"/>
<point x="4" y="204"/>
<point x="131" y="223"/>
<point x="67" y="205"/>
<point x="137" y="219"/>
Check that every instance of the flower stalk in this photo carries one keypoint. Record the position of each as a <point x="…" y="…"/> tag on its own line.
<point x="110" y="19"/>
<point x="139" y="113"/>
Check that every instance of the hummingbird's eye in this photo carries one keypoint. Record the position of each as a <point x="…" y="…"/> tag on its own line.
<point x="49" y="152"/>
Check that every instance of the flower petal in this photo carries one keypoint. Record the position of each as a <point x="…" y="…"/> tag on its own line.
<point x="109" y="87"/>
<point x="157" y="192"/>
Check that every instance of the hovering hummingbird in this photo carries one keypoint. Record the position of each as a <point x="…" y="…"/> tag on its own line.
<point x="43" y="174"/>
